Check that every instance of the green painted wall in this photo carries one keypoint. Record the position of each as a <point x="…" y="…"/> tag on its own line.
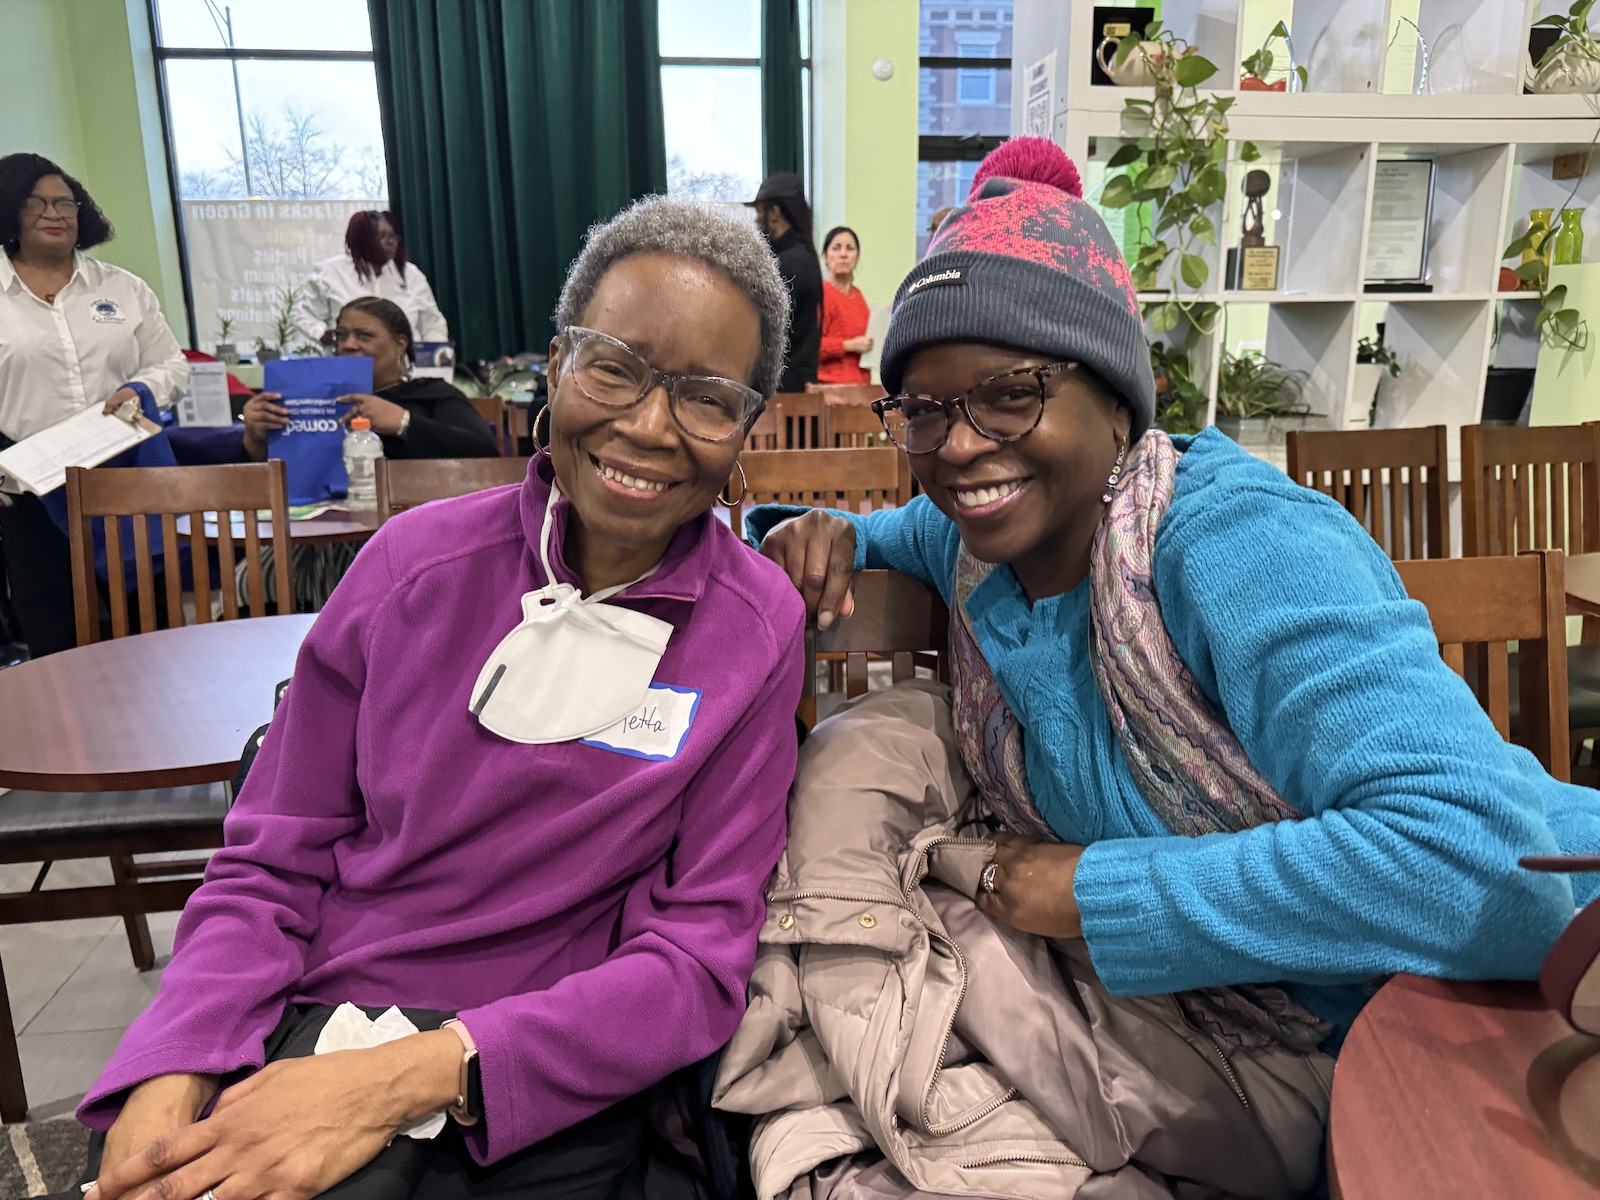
<point x="80" y="88"/>
<point x="865" y="149"/>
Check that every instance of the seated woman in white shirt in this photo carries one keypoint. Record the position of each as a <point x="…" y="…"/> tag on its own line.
<point x="74" y="332"/>
<point x="374" y="263"/>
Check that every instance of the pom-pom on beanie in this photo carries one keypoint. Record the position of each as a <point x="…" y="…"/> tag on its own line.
<point x="1026" y="262"/>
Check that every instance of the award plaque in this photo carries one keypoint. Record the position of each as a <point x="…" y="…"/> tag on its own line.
<point x="1253" y="265"/>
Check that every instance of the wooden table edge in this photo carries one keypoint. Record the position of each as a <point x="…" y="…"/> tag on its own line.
<point x="122" y="781"/>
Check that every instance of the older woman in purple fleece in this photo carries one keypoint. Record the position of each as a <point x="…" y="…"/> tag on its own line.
<point x="438" y="822"/>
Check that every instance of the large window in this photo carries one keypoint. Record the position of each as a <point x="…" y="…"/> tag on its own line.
<point x="964" y="105"/>
<point x="711" y="95"/>
<point x="272" y="115"/>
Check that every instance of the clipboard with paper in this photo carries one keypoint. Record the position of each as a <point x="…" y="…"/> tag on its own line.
<point x="38" y="464"/>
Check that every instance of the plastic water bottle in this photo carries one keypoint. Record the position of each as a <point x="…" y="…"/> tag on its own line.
<point x="362" y="450"/>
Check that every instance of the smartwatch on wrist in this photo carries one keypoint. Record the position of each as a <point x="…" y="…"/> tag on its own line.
<point x="468" y="1106"/>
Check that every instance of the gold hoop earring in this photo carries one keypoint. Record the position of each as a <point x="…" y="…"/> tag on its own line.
<point x="744" y="489"/>
<point x="538" y="446"/>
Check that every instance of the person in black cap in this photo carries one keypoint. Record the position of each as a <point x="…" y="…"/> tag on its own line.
<point x="785" y="219"/>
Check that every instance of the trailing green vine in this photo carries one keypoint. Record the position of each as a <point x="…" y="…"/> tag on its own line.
<point x="1558" y="323"/>
<point x="1179" y="169"/>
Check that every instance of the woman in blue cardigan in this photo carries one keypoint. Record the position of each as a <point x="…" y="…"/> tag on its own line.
<point x="1220" y="738"/>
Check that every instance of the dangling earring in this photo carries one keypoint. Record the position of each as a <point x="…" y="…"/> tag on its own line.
<point x="1116" y="474"/>
<point x="744" y="490"/>
<point x="538" y="446"/>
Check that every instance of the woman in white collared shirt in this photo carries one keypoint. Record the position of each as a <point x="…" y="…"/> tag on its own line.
<point x="74" y="332"/>
<point x="374" y="263"/>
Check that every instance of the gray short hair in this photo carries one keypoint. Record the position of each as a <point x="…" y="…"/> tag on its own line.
<point x="727" y="243"/>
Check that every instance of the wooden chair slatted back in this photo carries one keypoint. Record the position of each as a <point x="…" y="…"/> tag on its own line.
<point x="407" y="482"/>
<point x="1393" y="481"/>
<point x="162" y="494"/>
<point x="801" y="419"/>
<point x="894" y="616"/>
<point x="854" y="480"/>
<point x="1477" y="606"/>
<point x="763" y="434"/>
<point x="1530" y="489"/>
<point x="493" y="411"/>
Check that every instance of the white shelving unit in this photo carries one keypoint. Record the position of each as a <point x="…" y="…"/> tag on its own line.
<point x="1492" y="146"/>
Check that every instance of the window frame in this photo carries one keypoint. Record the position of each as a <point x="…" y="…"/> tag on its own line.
<point x="166" y="54"/>
<point x="805" y="69"/>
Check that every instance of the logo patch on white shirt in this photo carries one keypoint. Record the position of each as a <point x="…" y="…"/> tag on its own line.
<point x="107" y="312"/>
<point x="657" y="729"/>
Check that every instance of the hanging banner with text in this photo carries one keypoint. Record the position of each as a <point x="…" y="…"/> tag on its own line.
<point x="245" y="256"/>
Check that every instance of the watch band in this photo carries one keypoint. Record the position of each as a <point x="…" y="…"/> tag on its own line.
<point x="405" y="425"/>
<point x="468" y="1106"/>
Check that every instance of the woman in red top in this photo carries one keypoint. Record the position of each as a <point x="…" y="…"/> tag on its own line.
<point x="844" y="312"/>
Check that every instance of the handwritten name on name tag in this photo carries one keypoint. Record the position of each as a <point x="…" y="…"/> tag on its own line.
<point x="655" y="730"/>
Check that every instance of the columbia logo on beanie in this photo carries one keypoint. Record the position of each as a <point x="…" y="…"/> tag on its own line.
<point x="938" y="279"/>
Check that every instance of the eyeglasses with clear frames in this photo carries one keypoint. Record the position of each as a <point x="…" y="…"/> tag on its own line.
<point x="62" y="206"/>
<point x="613" y="374"/>
<point x="1002" y="408"/>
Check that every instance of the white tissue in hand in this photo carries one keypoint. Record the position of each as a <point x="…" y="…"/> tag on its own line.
<point x="350" y="1029"/>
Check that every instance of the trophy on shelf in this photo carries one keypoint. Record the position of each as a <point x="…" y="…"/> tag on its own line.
<point x="1253" y="265"/>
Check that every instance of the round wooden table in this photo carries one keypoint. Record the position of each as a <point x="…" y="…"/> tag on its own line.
<point x="331" y="526"/>
<point x="154" y="710"/>
<point x="1454" y="1090"/>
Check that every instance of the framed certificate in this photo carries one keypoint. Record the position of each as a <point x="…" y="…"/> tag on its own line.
<point x="1397" y="239"/>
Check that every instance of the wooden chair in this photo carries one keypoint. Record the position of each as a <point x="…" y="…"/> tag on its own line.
<point x="493" y="411"/>
<point x="1393" y="481"/>
<point x="408" y="482"/>
<point x="894" y="616"/>
<point x="763" y="434"/>
<point x="856" y="480"/>
<point x="1481" y="604"/>
<point x="1538" y="488"/>
<point x="155" y="497"/>
<point x="801" y="419"/>
<point x="46" y="827"/>
<point x="852" y="427"/>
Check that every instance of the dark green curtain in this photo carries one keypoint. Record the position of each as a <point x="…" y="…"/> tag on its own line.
<point x="782" y="100"/>
<point x="512" y="126"/>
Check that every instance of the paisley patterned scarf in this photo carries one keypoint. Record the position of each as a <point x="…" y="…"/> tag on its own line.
<point x="1184" y="758"/>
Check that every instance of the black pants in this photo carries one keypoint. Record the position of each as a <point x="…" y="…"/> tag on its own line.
<point x="38" y="560"/>
<point x="601" y="1158"/>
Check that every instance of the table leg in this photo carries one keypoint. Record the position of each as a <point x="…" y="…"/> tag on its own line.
<point x="137" y="925"/>
<point x="13" y="1094"/>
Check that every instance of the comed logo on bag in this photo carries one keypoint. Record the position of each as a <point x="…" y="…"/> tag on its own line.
<point x="317" y="425"/>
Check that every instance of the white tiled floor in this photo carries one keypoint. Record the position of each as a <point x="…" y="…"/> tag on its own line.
<point x="73" y="988"/>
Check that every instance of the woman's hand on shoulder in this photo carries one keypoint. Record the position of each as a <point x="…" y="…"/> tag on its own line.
<point x="262" y="414"/>
<point x="1033" y="887"/>
<point x="818" y="552"/>
<point x="294" y="1128"/>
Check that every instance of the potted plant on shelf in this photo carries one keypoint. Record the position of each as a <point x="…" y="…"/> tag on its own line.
<point x="1257" y="66"/>
<point x="1374" y="361"/>
<point x="1258" y="400"/>
<point x="1176" y="170"/>
<point x="226" y="350"/>
<point x="1572" y="61"/>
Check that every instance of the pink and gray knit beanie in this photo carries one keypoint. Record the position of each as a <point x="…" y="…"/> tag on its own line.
<point x="1026" y="262"/>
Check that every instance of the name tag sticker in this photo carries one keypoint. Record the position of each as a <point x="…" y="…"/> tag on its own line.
<point x="655" y="730"/>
